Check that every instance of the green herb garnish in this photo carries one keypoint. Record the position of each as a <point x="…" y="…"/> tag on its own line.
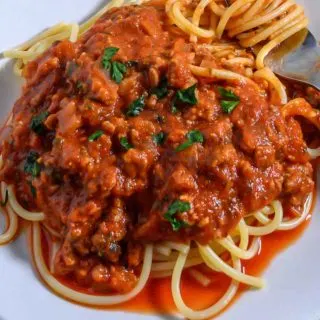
<point x="136" y="107"/>
<point x="37" y="123"/>
<point x="4" y="203"/>
<point x="193" y="136"/>
<point x="228" y="106"/>
<point x="230" y="100"/>
<point x="187" y="96"/>
<point x="159" y="138"/>
<point x="227" y="94"/>
<point x="107" y="55"/>
<point x="177" y="206"/>
<point x="96" y="135"/>
<point x="117" y="69"/>
<point x="162" y="89"/>
<point x="125" y="144"/>
<point x="31" y="166"/>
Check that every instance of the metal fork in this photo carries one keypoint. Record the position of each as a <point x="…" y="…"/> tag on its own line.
<point x="297" y="59"/>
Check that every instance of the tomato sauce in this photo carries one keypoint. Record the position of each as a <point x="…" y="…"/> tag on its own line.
<point x="156" y="297"/>
<point x="119" y="143"/>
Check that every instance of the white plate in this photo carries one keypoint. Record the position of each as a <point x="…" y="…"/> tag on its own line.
<point x="293" y="278"/>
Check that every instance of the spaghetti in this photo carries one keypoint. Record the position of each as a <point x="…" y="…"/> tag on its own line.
<point x="217" y="219"/>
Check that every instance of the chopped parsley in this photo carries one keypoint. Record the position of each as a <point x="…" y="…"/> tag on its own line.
<point x="96" y="135"/>
<point x="229" y="101"/>
<point x="192" y="136"/>
<point x="159" y="138"/>
<point x="136" y="107"/>
<point x="228" y="106"/>
<point x="5" y="201"/>
<point x="37" y="123"/>
<point x="107" y="55"/>
<point x="125" y="143"/>
<point x="31" y="166"/>
<point x="187" y="96"/>
<point x="162" y="89"/>
<point x="117" y="69"/>
<point x="177" y="206"/>
<point x="227" y="94"/>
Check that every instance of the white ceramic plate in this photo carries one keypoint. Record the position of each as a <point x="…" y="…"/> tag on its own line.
<point x="293" y="278"/>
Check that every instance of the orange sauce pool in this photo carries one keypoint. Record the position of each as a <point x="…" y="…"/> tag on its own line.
<point x="156" y="297"/>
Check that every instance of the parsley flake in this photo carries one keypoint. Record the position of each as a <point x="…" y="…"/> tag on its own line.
<point x="37" y="123"/>
<point x="177" y="206"/>
<point x="228" y="106"/>
<point x="162" y="89"/>
<point x="230" y="100"/>
<point x="136" y="107"/>
<point x="118" y="69"/>
<point x="107" y="55"/>
<point x="125" y="144"/>
<point x="96" y="135"/>
<point x="193" y="136"/>
<point x="159" y="138"/>
<point x="227" y="94"/>
<point x="187" y="96"/>
<point x="31" y="166"/>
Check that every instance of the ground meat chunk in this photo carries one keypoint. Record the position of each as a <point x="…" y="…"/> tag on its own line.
<point x="112" y="279"/>
<point x="264" y="156"/>
<point x="298" y="184"/>
<point x="106" y="240"/>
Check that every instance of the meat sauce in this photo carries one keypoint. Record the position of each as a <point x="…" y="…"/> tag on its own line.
<point x="102" y="179"/>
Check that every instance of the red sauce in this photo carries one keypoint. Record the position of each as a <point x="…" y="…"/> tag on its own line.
<point x="156" y="297"/>
<point x="66" y="157"/>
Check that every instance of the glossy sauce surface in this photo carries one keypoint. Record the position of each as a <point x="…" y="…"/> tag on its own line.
<point x="66" y="156"/>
